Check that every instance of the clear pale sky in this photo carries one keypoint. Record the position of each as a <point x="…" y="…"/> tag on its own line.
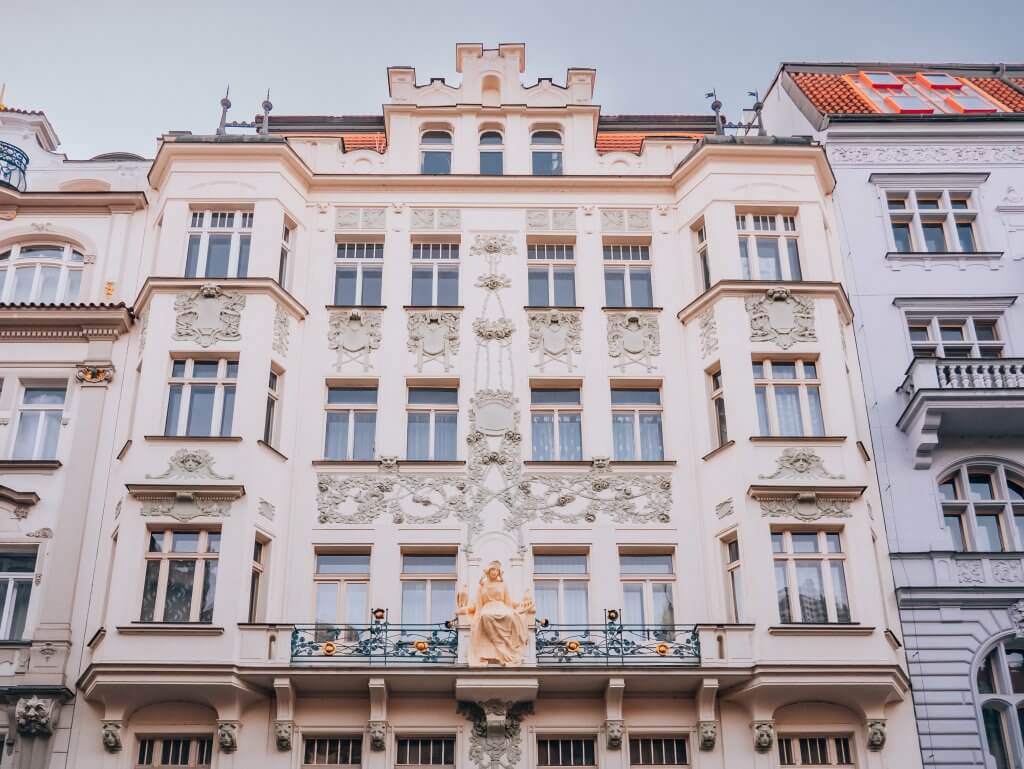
<point x="115" y="74"/>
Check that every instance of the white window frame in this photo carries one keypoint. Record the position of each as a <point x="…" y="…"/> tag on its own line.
<point x="647" y="581"/>
<point x="555" y="410"/>
<point x="436" y="256"/>
<point x="260" y="552"/>
<point x="44" y="409"/>
<point x="969" y="348"/>
<point x="284" y="262"/>
<point x="433" y="410"/>
<point x="703" y="256"/>
<point x="783" y="228"/>
<point x="824" y="558"/>
<point x="734" y="576"/>
<point x="426" y="147"/>
<point x="429" y="578"/>
<point x="640" y="739"/>
<point x="1003" y="701"/>
<point x="342" y="580"/>
<point x="71" y="264"/>
<point x="1007" y="510"/>
<point x="496" y="149"/>
<point x="429" y="739"/>
<point x="197" y="743"/>
<point x="913" y="215"/>
<point x="625" y="258"/>
<point x="559" y="579"/>
<point x="636" y="410"/>
<point x="8" y="585"/>
<point x="552" y="257"/>
<point x="548" y="148"/>
<point x="202" y="556"/>
<point x="186" y="382"/>
<point x="719" y="415"/>
<point x="562" y="738"/>
<point x="363" y="255"/>
<point x="802" y="382"/>
<point x="272" y="415"/>
<point x="789" y="753"/>
<point x="214" y="221"/>
<point x="928" y="98"/>
<point x="351" y="408"/>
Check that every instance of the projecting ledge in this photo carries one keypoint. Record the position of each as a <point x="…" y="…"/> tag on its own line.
<point x="503" y="689"/>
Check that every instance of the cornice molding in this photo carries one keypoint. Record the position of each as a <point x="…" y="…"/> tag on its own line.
<point x="12" y="200"/>
<point x="59" y="323"/>
<point x="265" y="286"/>
<point x="745" y="288"/>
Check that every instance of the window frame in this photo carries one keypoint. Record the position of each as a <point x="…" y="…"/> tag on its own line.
<point x="351" y="408"/>
<point x="164" y="556"/>
<point x="435" y="148"/>
<point x="769" y="416"/>
<point x="703" y="255"/>
<point x="342" y="580"/>
<point x="559" y="580"/>
<point x="637" y="410"/>
<point x="71" y="263"/>
<point x="9" y="581"/>
<point x="284" y="262"/>
<point x="719" y="414"/>
<point x="647" y="580"/>
<point x="221" y="383"/>
<point x="733" y="558"/>
<point x="783" y="229"/>
<point x="970" y="345"/>
<point x="1002" y="700"/>
<point x="372" y="256"/>
<point x="789" y="558"/>
<point x="257" y="583"/>
<point x="442" y="259"/>
<point x="661" y="737"/>
<point x="429" y="579"/>
<point x="407" y="736"/>
<point x="196" y="741"/>
<point x="789" y="747"/>
<point x="561" y="737"/>
<point x="555" y="149"/>
<point x="945" y="214"/>
<point x="561" y="260"/>
<point x="354" y="739"/>
<point x="202" y="226"/>
<point x="433" y="409"/>
<point x="272" y="413"/>
<point x="44" y="410"/>
<point x="556" y="411"/>
<point x="486" y="149"/>
<point x="619" y="257"/>
<point x="1008" y="511"/>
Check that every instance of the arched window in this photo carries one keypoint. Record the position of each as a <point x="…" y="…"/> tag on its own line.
<point x="44" y="273"/>
<point x="491" y="156"/>
<point x="436" y="152"/>
<point x="983" y="507"/>
<point x="546" y="147"/>
<point x="999" y="687"/>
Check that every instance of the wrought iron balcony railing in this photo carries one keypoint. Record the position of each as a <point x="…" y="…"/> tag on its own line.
<point x="379" y="643"/>
<point x="617" y="644"/>
<point x="13" y="166"/>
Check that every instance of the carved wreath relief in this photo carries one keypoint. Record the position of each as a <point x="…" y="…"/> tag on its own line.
<point x="353" y="335"/>
<point x="433" y="336"/>
<point x="708" y="332"/>
<point x="207" y="315"/>
<point x="282" y="330"/>
<point x="633" y="338"/>
<point x="782" y="317"/>
<point x="555" y="336"/>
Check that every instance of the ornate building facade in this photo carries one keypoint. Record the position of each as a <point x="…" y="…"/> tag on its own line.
<point x="487" y="432"/>
<point x="929" y="162"/>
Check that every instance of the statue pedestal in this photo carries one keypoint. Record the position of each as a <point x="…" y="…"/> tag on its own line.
<point x="504" y="689"/>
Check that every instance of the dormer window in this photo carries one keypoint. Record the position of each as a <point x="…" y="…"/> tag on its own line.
<point x="922" y="93"/>
<point x="491" y="155"/>
<point x="546" y="147"/>
<point x="47" y="274"/>
<point x="881" y="80"/>
<point x="892" y="94"/>
<point x="938" y="80"/>
<point x="436" y="153"/>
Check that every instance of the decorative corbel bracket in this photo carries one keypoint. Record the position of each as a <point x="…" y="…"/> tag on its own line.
<point x="805" y="504"/>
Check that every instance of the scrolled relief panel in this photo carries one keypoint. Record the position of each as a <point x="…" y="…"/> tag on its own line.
<point x="208" y="315"/>
<point x="556" y="336"/>
<point x="634" y="338"/>
<point x="433" y="337"/>
<point x="354" y="335"/>
<point x="782" y="317"/>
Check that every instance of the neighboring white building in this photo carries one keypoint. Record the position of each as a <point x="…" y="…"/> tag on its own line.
<point x="366" y="357"/>
<point x="929" y="162"/>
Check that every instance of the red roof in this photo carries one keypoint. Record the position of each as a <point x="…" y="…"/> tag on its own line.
<point x="1000" y="91"/>
<point x="633" y="141"/>
<point x="365" y="141"/>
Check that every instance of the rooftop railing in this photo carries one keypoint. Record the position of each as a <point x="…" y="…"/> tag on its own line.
<point x="13" y="166"/>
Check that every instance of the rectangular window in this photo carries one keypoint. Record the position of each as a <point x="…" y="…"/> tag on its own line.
<point x="560" y="587"/>
<point x="769" y="246"/>
<point x="547" y="163"/>
<point x="270" y="417"/>
<point x="429" y="751"/>
<point x="428" y="588"/>
<point x="39" y="419"/>
<point x="491" y="163"/>
<point x="657" y="751"/>
<point x="815" y="751"/>
<point x="551" y="275"/>
<point x="342" y="583"/>
<point x="556" y="424"/>
<point x="432" y="423"/>
<point x="201" y="397"/>
<point x="810" y="577"/>
<point x="218" y="244"/>
<point x="703" y="258"/>
<point x="567" y="752"/>
<point x="648" y="605"/>
<point x="788" y="398"/>
<point x="436" y="162"/>
<point x="358" y="273"/>
<point x="435" y="274"/>
<point x="351" y="423"/>
<point x="627" y="276"/>
<point x="17" y="575"/>
<point x="959" y="335"/>
<point x="636" y="424"/>
<point x="175" y="751"/>
<point x="259" y="555"/>
<point x="181" y="575"/>
<point x="284" y="260"/>
<point x="332" y="751"/>
<point x="934" y="221"/>
<point x="732" y="573"/>
<point x="720" y="427"/>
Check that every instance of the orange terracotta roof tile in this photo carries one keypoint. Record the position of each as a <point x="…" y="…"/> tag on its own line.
<point x="365" y="141"/>
<point x="621" y="141"/>
<point x="831" y="93"/>
<point x="999" y="91"/>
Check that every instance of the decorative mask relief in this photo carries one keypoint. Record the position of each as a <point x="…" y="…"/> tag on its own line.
<point x="708" y="734"/>
<point x="190" y="463"/>
<point x="495" y="741"/>
<point x="35" y="716"/>
<point x="111" y="736"/>
<point x="876" y="734"/>
<point x="782" y="317"/>
<point x="614" y="730"/>
<point x="208" y="315"/>
<point x="433" y="337"/>
<point x="227" y="735"/>
<point x="764" y="736"/>
<point x="708" y="332"/>
<point x="800" y="463"/>
<point x="1016" y="614"/>
<point x="633" y="339"/>
<point x="353" y="335"/>
<point x="283" y="731"/>
<point x="791" y="506"/>
<point x="378" y="732"/>
<point x="282" y="330"/>
<point x="499" y="630"/>
<point x="183" y="511"/>
<point x="555" y="336"/>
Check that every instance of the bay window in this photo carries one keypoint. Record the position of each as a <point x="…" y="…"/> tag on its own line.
<point x="181" y="575"/>
<point x="810" y="576"/>
<point x="219" y="243"/>
<point x="201" y="397"/>
<point x="788" y="396"/>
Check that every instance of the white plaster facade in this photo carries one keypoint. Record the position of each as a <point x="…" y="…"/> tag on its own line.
<point x="250" y="684"/>
<point x="956" y="600"/>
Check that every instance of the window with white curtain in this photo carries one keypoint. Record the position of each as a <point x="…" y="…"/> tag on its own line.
<point x="788" y="395"/>
<point x="39" y="418"/>
<point x="810" y="576"/>
<point x="219" y="243"/>
<point x="201" y="397"/>
<point x="342" y="583"/>
<point x="769" y="247"/>
<point x="560" y="587"/>
<point x="556" y="424"/>
<point x="636" y="424"/>
<point x="999" y="692"/>
<point x="350" y="431"/>
<point x="47" y="274"/>
<point x="428" y="588"/>
<point x="647" y="592"/>
<point x="17" y="575"/>
<point x="432" y="423"/>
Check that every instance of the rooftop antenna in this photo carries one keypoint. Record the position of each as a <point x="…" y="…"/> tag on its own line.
<point x="758" y="106"/>
<point x="755" y="123"/>
<point x="716" y="107"/>
<point x="267" y="106"/>
<point x="225" y="105"/>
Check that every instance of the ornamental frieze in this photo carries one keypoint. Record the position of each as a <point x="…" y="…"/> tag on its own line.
<point x="881" y="154"/>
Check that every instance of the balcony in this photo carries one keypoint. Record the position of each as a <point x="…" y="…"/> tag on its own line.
<point x="379" y="643"/>
<point x="13" y="166"/>
<point x="614" y="644"/>
<point x="973" y="399"/>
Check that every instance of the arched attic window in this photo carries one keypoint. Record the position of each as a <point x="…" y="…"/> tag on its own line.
<point x="492" y="158"/>
<point x="436" y="152"/>
<point x="49" y="273"/>
<point x="546" y="148"/>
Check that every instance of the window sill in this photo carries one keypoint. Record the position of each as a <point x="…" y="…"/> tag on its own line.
<point x="195" y="438"/>
<point x="719" y="450"/>
<point x="356" y="306"/>
<point x="563" y="307"/>
<point x="170" y="628"/>
<point x="41" y="466"/>
<point x="798" y="439"/>
<point x="346" y="463"/>
<point x="816" y="628"/>
<point x="20" y="643"/>
<point x="558" y="463"/>
<point x="632" y="309"/>
<point x="439" y="307"/>
<point x="432" y="462"/>
<point x="897" y="258"/>
<point x="643" y="463"/>
<point x="271" y="449"/>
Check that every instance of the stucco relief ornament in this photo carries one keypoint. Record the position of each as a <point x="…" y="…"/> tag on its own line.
<point x="724" y="508"/>
<point x="190" y="463"/>
<point x="802" y="464"/>
<point x="266" y="509"/>
<point x="708" y="734"/>
<point x="433" y="336"/>
<point x="1015" y="611"/>
<point x="378" y="731"/>
<point x="227" y="735"/>
<point x="353" y="335"/>
<point x="764" y="736"/>
<point x="778" y="507"/>
<point x="876" y="734"/>
<point x="34" y="716"/>
<point x="208" y="315"/>
<point x="495" y="741"/>
<point x="708" y="332"/>
<point x="633" y="338"/>
<point x="216" y="508"/>
<point x="87" y="374"/>
<point x="970" y="572"/>
<point x="486" y="245"/>
<point x="782" y="317"/>
<point x="282" y="330"/>
<point x="111" y="736"/>
<point x="283" y="731"/>
<point x="499" y="330"/>
<point x="1006" y="571"/>
<point x="555" y="336"/>
<point x="927" y="153"/>
<point x="614" y="730"/>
